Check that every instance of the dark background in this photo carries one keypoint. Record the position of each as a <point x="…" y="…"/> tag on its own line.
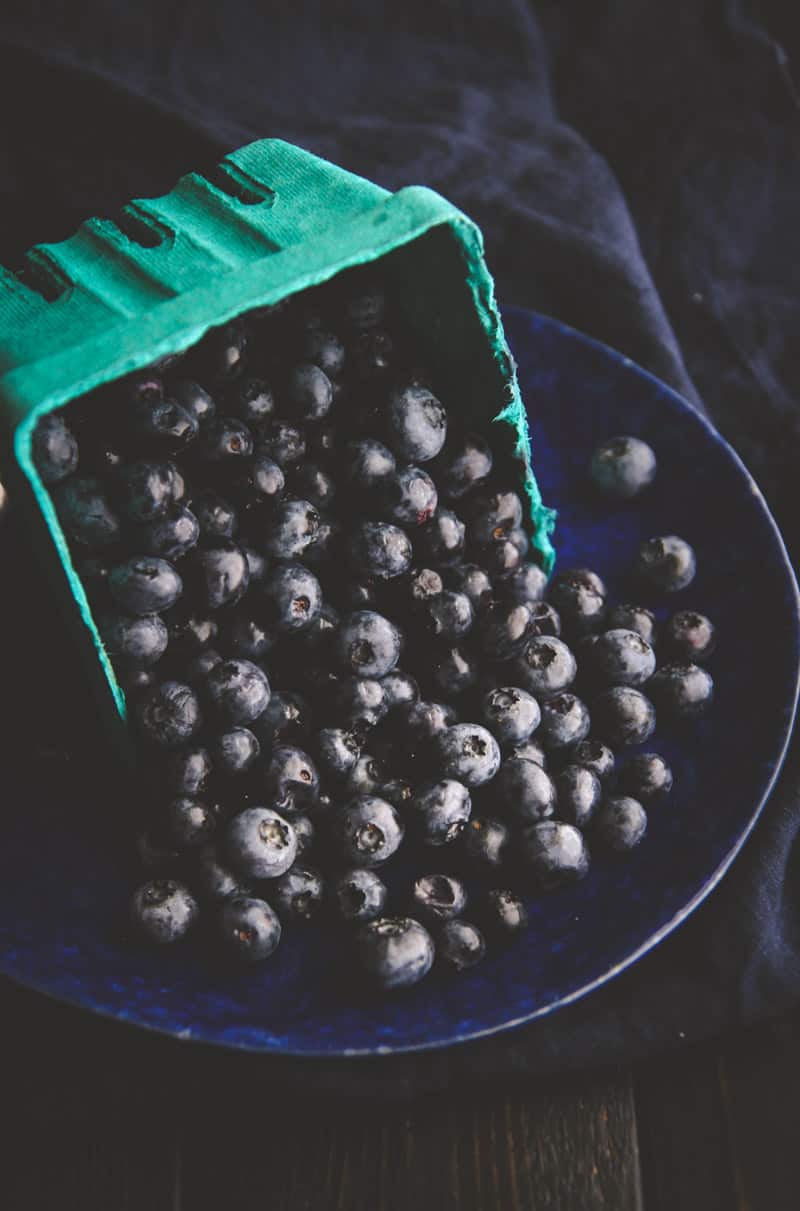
<point x="635" y="168"/>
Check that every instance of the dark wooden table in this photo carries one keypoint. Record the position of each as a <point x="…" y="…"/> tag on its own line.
<point x="712" y="1127"/>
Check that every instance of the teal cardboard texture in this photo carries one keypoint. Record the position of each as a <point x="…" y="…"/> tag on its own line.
<point x="273" y="221"/>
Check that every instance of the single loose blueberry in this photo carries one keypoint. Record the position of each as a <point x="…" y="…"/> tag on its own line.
<point x="459" y="944"/>
<point x="54" y="449"/>
<point x="259" y="483"/>
<point x="632" y="618"/>
<point x="260" y="844"/>
<point x="194" y="400"/>
<point x="485" y="841"/>
<point x="169" y="715"/>
<point x="565" y="721"/>
<point x="578" y="792"/>
<point x="282" y="442"/>
<point x="367" y="777"/>
<point x="188" y="822"/>
<point x="163" y="910"/>
<point x="409" y="497"/>
<point x="527" y="792"/>
<point x="594" y="756"/>
<point x="682" y="690"/>
<point x="367" y="831"/>
<point x="470" y="579"/>
<point x="511" y="714"/>
<point x="667" y="564"/>
<point x="545" y="619"/>
<point x="579" y="595"/>
<point x="291" y="598"/>
<point x="367" y="464"/>
<point x="309" y="393"/>
<point x="646" y="777"/>
<point x="170" y="536"/>
<point x="502" y="914"/>
<point x="527" y="583"/>
<point x="621" y="823"/>
<point x="248" y="928"/>
<point x="367" y="644"/>
<point x="454" y="670"/>
<point x="359" y="703"/>
<point x="395" y="952"/>
<point x="448" y="616"/>
<point x="465" y="462"/>
<point x="468" y="753"/>
<point x="399" y="689"/>
<point x="189" y="771"/>
<point x="292" y="528"/>
<point x="555" y="853"/>
<point x="235" y="751"/>
<point x="85" y="513"/>
<point x="436" y="898"/>
<point x="442" y="539"/>
<point x="622" y="467"/>
<point x="291" y="779"/>
<point x="139" y="641"/>
<point x="440" y="811"/>
<point x="238" y="691"/>
<point x="546" y="666"/>
<point x="297" y="896"/>
<point x="218" y="575"/>
<point x="359" y="895"/>
<point x="621" y="657"/>
<point x="378" y="549"/>
<point x="417" y="424"/>
<point x="622" y="715"/>
<point x="688" y="636"/>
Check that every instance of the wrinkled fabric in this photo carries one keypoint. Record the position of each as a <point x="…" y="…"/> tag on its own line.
<point x="635" y="168"/>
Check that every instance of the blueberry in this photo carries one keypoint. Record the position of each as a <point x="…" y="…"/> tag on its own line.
<point x="188" y="771"/>
<point x="259" y="482"/>
<point x="545" y="619"/>
<point x="219" y="574"/>
<point x="323" y="349"/>
<point x="621" y="823"/>
<point x="223" y="352"/>
<point x="622" y="715"/>
<point x="454" y="671"/>
<point x="468" y="753"/>
<point x="646" y="777"/>
<point x="399" y="689"/>
<point x="463" y="464"/>
<point x="139" y="641"/>
<point x="367" y="464"/>
<point x="291" y="529"/>
<point x="248" y="928"/>
<point x="448" y="616"/>
<point x="622" y="657"/>
<point x="359" y="895"/>
<point x="297" y="895"/>
<point x="526" y="583"/>
<point x="366" y="777"/>
<point x="528" y="793"/>
<point x="188" y="822"/>
<point x="682" y="690"/>
<point x="169" y="715"/>
<point x="291" y="598"/>
<point x="437" y="898"/>
<point x="493" y="517"/>
<point x="689" y="636"/>
<point x="286" y="721"/>
<point x="667" y="564"/>
<point x="417" y="424"/>
<point x="510" y="714"/>
<point x="291" y="779"/>
<point x="420" y="722"/>
<point x="145" y="585"/>
<point x="441" y="540"/>
<point x="485" y="842"/>
<point x="163" y="910"/>
<point x="503" y="914"/>
<point x="546" y="666"/>
<point x="245" y="637"/>
<point x="212" y="879"/>
<point x="251" y="400"/>
<point x="459" y="944"/>
<point x="314" y="484"/>
<point x="144" y="490"/>
<point x="622" y="466"/>
<point x="235" y="751"/>
<point x="216" y="516"/>
<point x="397" y="791"/>
<point x="171" y="536"/>
<point x="632" y="618"/>
<point x="440" y="811"/>
<point x="260" y="844"/>
<point x="163" y="425"/>
<point x="529" y="750"/>
<point x="594" y="756"/>
<point x="282" y="442"/>
<point x="409" y="497"/>
<point x="503" y="628"/>
<point x="470" y="579"/>
<point x="194" y="400"/>
<point x="189" y="631"/>
<point x="378" y="549"/>
<point x="578" y="791"/>
<point x="367" y="831"/>
<point x="579" y="595"/>
<point x="499" y="558"/>
<point x="395" y="952"/>
<point x="305" y="832"/>
<point x="519" y="539"/>
<point x="85" y="514"/>
<point x="338" y="751"/>
<point x="309" y="393"/>
<point x="54" y="449"/>
<point x="359" y="703"/>
<point x="372" y="354"/>
<point x="368" y="644"/>
<point x="555" y="853"/>
<point x="238" y="691"/>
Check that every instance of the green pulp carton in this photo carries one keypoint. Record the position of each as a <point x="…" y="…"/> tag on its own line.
<point x="275" y="220"/>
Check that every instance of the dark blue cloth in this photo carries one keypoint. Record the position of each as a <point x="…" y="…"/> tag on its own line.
<point x="635" y="167"/>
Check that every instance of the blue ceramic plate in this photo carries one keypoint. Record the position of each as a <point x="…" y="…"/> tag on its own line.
<point x="62" y="895"/>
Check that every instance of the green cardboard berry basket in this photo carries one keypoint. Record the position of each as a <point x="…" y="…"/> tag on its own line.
<point x="276" y="220"/>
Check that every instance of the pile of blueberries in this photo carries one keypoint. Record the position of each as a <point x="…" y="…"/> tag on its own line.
<point x="319" y="595"/>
